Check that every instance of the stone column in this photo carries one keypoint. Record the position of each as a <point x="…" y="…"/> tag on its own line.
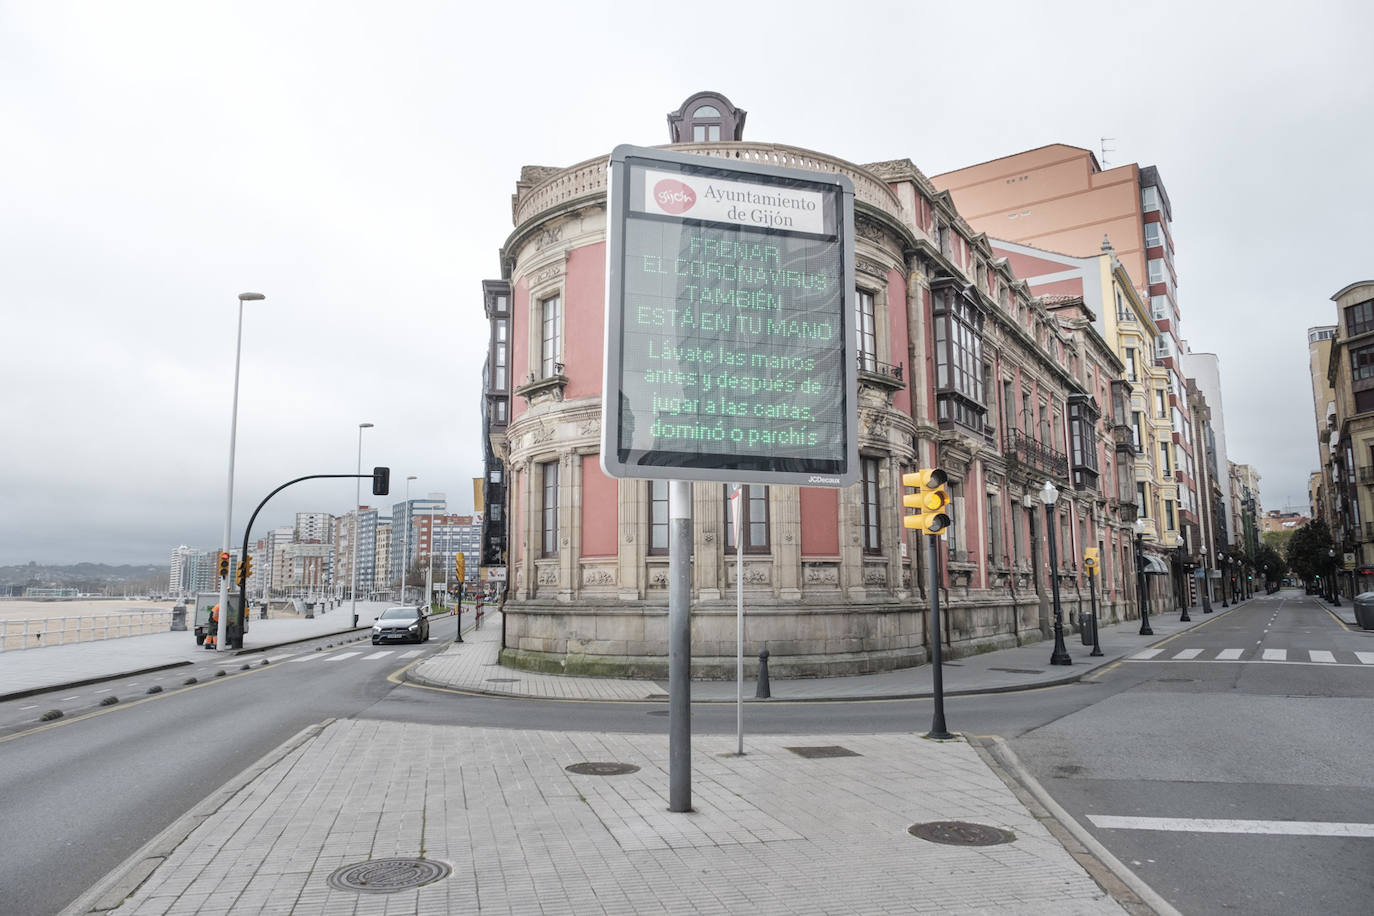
<point x="708" y="539"/>
<point x="784" y="504"/>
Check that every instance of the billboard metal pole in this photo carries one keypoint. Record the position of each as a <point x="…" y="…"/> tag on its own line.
<point x="680" y="645"/>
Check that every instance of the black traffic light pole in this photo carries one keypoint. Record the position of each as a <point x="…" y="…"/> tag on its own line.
<point x="381" y="486"/>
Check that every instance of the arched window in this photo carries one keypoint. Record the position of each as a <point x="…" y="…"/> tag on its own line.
<point x="706" y="117"/>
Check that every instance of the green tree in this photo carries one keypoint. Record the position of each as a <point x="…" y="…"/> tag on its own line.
<point x="1308" y="551"/>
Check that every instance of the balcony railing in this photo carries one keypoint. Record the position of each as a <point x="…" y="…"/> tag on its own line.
<point x="1365" y="474"/>
<point x="878" y="373"/>
<point x="1035" y="454"/>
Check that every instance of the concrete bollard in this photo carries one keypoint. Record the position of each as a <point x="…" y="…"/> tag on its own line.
<point x="763" y="693"/>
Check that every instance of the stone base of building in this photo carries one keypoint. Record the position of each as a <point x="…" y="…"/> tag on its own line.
<point x="803" y="640"/>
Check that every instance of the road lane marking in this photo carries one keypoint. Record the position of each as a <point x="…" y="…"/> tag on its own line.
<point x="281" y="658"/>
<point x="1366" y="658"/>
<point x="342" y="655"/>
<point x="76" y="697"/>
<point x="306" y="658"/>
<point x="23" y="708"/>
<point x="1230" y="655"/>
<point x="1223" y="825"/>
<point x="1321" y="655"/>
<point x="412" y="653"/>
<point x="1187" y="654"/>
<point x="1275" y="655"/>
<point x="381" y="654"/>
<point x="1147" y="654"/>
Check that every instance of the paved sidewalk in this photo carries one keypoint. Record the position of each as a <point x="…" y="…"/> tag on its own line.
<point x="772" y="831"/>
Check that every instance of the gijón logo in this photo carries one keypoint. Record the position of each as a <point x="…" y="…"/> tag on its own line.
<point x="673" y="196"/>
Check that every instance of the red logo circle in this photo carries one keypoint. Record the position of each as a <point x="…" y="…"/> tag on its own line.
<point x="672" y="196"/>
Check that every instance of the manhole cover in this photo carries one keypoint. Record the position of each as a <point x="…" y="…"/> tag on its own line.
<point x="1018" y="670"/>
<point x="387" y="876"/>
<point x="961" y="833"/>
<point x="601" y="768"/>
<point x="503" y="680"/>
<point x="830" y="750"/>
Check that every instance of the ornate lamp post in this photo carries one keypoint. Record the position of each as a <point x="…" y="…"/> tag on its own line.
<point x="1141" y="595"/>
<point x="1060" y="655"/>
<point x="1183" y="586"/>
<point x="1225" y="578"/>
<point x="1335" y="583"/>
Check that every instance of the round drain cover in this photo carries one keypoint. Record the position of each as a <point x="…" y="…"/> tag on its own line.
<point x="602" y="769"/>
<point x="961" y="833"/>
<point x="387" y="876"/>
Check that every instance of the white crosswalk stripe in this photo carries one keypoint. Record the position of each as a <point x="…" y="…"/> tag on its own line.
<point x="1147" y="654"/>
<point x="339" y="656"/>
<point x="306" y="658"/>
<point x="280" y="658"/>
<point x="1321" y="655"/>
<point x="1275" y="655"/>
<point x="412" y="653"/>
<point x="1187" y="654"/>
<point x="1299" y="656"/>
<point x="381" y="654"/>
<point x="1366" y="658"/>
<point x="1230" y="655"/>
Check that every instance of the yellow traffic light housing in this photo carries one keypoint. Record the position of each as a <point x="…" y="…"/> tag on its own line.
<point x="460" y="563"/>
<point x="224" y="565"/>
<point x="1090" y="560"/>
<point x="245" y="571"/>
<point x="930" y="503"/>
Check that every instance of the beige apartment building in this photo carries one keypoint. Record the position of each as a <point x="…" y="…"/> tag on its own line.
<point x="1349" y="460"/>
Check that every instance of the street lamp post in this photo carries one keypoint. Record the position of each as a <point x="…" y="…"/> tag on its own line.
<point x="429" y="573"/>
<point x="405" y="539"/>
<point x="1143" y="598"/>
<point x="1060" y="655"/>
<point x="1335" y="582"/>
<point x="1206" y="583"/>
<point x="357" y="498"/>
<point x="1183" y="586"/>
<point x="222" y="636"/>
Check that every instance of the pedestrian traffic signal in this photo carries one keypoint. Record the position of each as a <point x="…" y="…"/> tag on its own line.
<point x="1090" y="560"/>
<point x="245" y="571"/>
<point x="460" y="563"/>
<point x="224" y="565"/>
<point x="381" y="481"/>
<point x="930" y="503"/>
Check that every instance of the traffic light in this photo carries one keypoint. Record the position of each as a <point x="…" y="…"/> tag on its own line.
<point x="381" y="481"/>
<point x="245" y="571"/>
<point x="1090" y="560"/>
<point x="930" y="503"/>
<point x="224" y="565"/>
<point x="460" y="563"/>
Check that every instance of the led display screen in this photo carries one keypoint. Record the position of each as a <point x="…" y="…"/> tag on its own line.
<point x="729" y="322"/>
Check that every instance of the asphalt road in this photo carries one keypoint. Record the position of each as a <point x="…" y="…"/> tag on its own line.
<point x="1251" y="740"/>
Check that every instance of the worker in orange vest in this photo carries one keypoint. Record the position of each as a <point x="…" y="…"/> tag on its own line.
<point x="212" y="635"/>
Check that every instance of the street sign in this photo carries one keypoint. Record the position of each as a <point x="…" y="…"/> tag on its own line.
<point x="729" y="322"/>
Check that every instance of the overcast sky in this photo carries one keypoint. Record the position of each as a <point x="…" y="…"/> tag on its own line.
<point x="354" y="163"/>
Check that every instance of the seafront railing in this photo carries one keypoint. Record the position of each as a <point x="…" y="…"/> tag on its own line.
<point x="35" y="632"/>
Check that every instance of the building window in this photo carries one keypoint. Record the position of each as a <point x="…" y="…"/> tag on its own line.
<point x="1159" y="308"/>
<point x="551" y="346"/>
<point x="1169" y="514"/>
<point x="1130" y="364"/>
<point x="705" y="131"/>
<point x="872" y="528"/>
<point x="868" y="339"/>
<point x="1359" y="318"/>
<point x="499" y="411"/>
<point x="1161" y="402"/>
<point x="1166" y="466"/>
<point x="498" y="369"/>
<point x="658" y="516"/>
<point x="995" y="548"/>
<point x="1142" y="506"/>
<point x="1149" y="198"/>
<point x="549" y="508"/>
<point x="1154" y="235"/>
<point x="1158" y="273"/>
<point x="1362" y="362"/>
<point x="959" y="359"/>
<point x="753" y="518"/>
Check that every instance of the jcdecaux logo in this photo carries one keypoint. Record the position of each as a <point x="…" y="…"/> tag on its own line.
<point x="673" y="196"/>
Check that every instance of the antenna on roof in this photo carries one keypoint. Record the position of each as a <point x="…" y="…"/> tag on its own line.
<point x="1106" y="149"/>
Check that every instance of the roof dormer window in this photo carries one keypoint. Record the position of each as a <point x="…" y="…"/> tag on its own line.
<point x="707" y="117"/>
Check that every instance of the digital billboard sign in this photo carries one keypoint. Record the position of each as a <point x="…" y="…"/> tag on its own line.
<point x="729" y="322"/>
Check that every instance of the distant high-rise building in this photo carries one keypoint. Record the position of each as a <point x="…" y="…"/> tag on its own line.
<point x="192" y="570"/>
<point x="314" y="528"/>
<point x="403" y="516"/>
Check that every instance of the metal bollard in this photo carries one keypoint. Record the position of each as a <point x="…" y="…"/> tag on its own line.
<point x="763" y="693"/>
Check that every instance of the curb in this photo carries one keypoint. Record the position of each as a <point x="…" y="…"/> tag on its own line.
<point x="35" y="691"/>
<point x="1111" y="874"/>
<point x="125" y="878"/>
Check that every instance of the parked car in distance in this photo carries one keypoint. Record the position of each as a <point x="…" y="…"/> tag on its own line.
<point x="401" y="624"/>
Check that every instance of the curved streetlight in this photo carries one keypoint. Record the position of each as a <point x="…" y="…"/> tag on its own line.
<point x="405" y="539"/>
<point x="1142" y="597"/>
<point x="1206" y="583"/>
<point x="357" y="498"/>
<point x="1060" y="655"/>
<point x="222" y="636"/>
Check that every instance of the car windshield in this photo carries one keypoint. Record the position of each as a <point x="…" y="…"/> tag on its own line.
<point x="398" y="613"/>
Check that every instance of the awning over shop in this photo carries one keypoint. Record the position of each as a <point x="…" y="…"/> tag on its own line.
<point x="1156" y="566"/>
